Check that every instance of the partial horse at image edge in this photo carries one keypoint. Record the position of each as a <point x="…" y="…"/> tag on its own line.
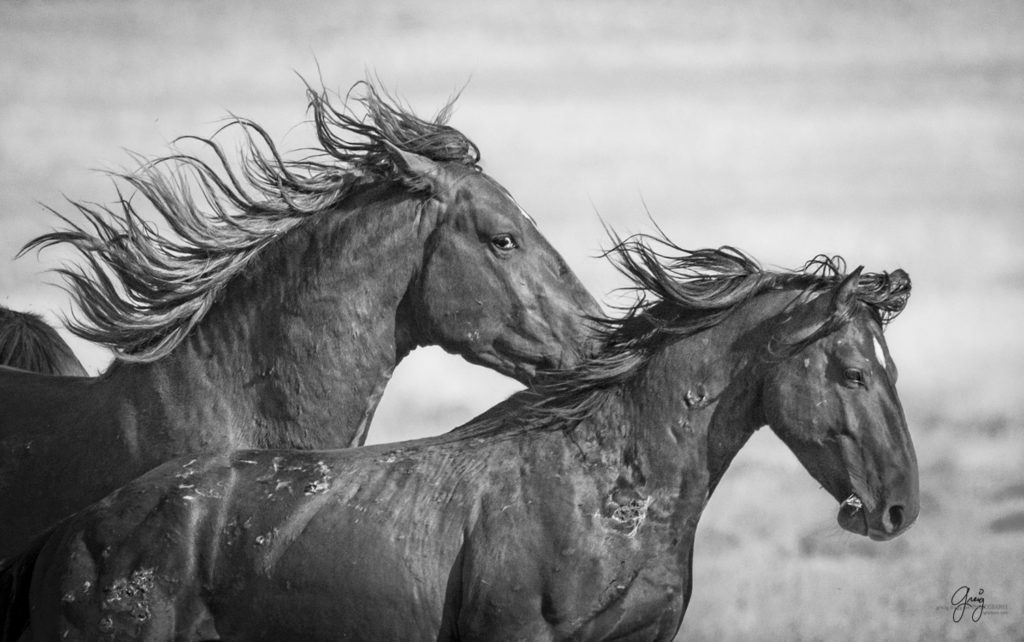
<point x="28" y="342"/>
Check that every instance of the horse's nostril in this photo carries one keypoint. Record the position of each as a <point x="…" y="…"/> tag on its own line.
<point x="895" y="521"/>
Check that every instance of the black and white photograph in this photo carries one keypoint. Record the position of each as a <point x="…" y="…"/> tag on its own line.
<point x="512" y="320"/>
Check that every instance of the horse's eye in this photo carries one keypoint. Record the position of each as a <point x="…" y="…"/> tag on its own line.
<point x="854" y="376"/>
<point x="504" y="242"/>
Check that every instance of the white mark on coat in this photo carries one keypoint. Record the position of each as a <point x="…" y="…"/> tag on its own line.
<point x="879" y="352"/>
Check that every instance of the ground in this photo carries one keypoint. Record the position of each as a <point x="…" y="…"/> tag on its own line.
<point x="891" y="133"/>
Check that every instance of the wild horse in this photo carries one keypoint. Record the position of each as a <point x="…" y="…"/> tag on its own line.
<point x="275" y="305"/>
<point x="28" y="342"/>
<point x="566" y="513"/>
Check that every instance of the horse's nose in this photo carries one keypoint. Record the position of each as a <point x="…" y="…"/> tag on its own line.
<point x="892" y="519"/>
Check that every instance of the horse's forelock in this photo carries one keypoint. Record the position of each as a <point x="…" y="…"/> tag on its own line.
<point x="885" y="292"/>
<point x="387" y="123"/>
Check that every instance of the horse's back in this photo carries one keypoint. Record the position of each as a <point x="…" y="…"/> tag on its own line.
<point x="260" y="542"/>
<point x="29" y="398"/>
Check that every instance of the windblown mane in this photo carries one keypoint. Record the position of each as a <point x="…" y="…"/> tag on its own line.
<point x="681" y="293"/>
<point x="28" y="342"/>
<point x="141" y="290"/>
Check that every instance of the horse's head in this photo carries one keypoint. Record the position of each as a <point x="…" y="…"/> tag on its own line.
<point x="832" y="399"/>
<point x="492" y="288"/>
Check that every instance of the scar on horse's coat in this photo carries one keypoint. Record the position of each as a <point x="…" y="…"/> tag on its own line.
<point x="130" y="594"/>
<point x="627" y="509"/>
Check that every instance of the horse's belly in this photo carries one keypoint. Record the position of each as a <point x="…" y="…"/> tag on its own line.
<point x="370" y="602"/>
<point x="345" y="576"/>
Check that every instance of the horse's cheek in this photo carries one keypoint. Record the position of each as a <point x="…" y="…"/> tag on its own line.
<point x="778" y="405"/>
<point x="458" y="287"/>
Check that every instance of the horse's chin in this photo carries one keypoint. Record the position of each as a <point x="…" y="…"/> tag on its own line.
<point x="522" y="371"/>
<point x="525" y="368"/>
<point x="519" y="365"/>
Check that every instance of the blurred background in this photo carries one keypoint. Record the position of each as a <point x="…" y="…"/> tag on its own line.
<point x="886" y="131"/>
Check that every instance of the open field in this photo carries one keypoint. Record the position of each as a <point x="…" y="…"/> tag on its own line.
<point x="890" y="133"/>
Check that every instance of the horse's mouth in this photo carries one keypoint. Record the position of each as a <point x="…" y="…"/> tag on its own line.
<point x="852" y="516"/>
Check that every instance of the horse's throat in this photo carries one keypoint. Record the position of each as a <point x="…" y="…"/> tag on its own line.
<point x="318" y="341"/>
<point x="691" y="410"/>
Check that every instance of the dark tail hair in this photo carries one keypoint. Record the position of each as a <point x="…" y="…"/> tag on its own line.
<point x="15" y="582"/>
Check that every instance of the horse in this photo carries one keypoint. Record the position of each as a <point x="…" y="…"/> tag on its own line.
<point x="27" y="342"/>
<point x="566" y="512"/>
<point x="272" y="307"/>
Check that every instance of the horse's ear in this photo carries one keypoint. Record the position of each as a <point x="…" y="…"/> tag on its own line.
<point x="417" y="171"/>
<point x="846" y="293"/>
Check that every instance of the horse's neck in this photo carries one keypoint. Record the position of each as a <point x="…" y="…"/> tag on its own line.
<point x="686" y="415"/>
<point x="298" y="351"/>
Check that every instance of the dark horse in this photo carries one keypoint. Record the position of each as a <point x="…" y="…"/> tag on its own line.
<point x="563" y="514"/>
<point x="272" y="310"/>
<point x="28" y="342"/>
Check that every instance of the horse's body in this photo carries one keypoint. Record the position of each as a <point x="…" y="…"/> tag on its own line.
<point x="27" y="342"/>
<point x="570" y="516"/>
<point x="280" y="324"/>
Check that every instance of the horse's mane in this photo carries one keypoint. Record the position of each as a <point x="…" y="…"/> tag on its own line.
<point x="679" y="294"/>
<point x="28" y="342"/>
<point x="141" y="290"/>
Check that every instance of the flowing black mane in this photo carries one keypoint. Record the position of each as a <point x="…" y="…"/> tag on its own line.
<point x="141" y="290"/>
<point x="681" y="293"/>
